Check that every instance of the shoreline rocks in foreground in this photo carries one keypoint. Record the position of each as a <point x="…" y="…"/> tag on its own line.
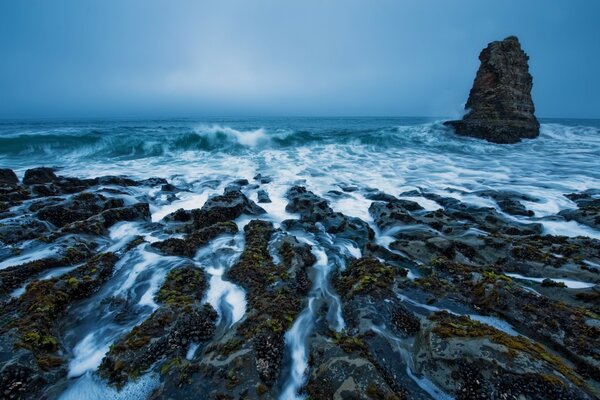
<point x="500" y="108"/>
<point x="411" y="303"/>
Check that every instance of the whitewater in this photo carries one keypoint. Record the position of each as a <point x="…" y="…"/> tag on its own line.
<point x="336" y="158"/>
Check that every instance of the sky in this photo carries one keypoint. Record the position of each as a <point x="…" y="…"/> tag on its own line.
<point x="158" y="59"/>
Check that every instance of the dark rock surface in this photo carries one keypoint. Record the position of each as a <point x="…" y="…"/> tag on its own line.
<point x="500" y="108"/>
<point x="588" y="208"/>
<point x="164" y="337"/>
<point x="316" y="210"/>
<point x="384" y="306"/>
<point x="263" y="196"/>
<point x="8" y="177"/>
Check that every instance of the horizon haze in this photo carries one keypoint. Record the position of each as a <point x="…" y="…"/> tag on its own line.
<point x="70" y="59"/>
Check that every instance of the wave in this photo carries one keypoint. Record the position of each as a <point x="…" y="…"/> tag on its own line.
<point x="131" y="142"/>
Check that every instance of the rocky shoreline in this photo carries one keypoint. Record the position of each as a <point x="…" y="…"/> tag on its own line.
<point x="411" y="305"/>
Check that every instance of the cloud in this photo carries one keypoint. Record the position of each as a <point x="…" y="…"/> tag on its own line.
<point x="337" y="57"/>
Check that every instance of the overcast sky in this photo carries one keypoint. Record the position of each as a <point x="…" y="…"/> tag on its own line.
<point x="124" y="58"/>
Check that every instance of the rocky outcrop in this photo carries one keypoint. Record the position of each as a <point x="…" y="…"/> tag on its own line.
<point x="500" y="108"/>
<point x="165" y="336"/>
<point x="8" y="177"/>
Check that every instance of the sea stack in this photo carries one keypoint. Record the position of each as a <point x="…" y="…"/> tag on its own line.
<point x="500" y="108"/>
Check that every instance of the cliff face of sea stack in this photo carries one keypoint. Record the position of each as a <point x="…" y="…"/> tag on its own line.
<point x="500" y="108"/>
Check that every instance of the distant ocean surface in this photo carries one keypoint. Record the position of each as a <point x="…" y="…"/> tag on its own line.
<point x="391" y="154"/>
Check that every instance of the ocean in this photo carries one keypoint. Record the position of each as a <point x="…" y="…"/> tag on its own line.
<point x="394" y="155"/>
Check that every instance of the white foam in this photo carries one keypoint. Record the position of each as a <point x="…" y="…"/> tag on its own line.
<point x="90" y="386"/>
<point x="191" y="351"/>
<point x="295" y="340"/>
<point x="428" y="205"/>
<point x="492" y="321"/>
<point x="571" y="284"/>
<point x="569" y="228"/>
<point x="428" y="386"/>
<point x="88" y="355"/>
<point x="147" y="259"/>
<point x="147" y="298"/>
<point x="29" y="256"/>
<point x="250" y="138"/>
<point x="224" y="291"/>
<point x="187" y="201"/>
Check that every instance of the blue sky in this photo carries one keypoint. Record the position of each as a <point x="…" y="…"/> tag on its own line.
<point x="116" y="58"/>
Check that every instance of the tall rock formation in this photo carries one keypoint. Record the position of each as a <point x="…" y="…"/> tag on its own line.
<point x="500" y="108"/>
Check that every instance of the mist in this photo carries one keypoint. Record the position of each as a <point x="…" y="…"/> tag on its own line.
<point x="157" y="59"/>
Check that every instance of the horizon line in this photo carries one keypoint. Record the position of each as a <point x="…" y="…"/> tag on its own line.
<point x="165" y="118"/>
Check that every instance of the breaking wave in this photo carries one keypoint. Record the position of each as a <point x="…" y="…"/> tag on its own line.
<point x="173" y="139"/>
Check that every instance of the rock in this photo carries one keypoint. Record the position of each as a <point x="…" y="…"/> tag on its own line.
<point x="99" y="223"/>
<point x="153" y="181"/>
<point x="82" y="206"/>
<point x="30" y="332"/>
<point x="167" y="187"/>
<point x="241" y="182"/>
<point x="263" y="197"/>
<point x="223" y="208"/>
<point x="8" y="177"/>
<point x="315" y="210"/>
<point x="226" y="207"/>
<point x="500" y="108"/>
<point x="508" y="201"/>
<point x="163" y="337"/>
<point x="187" y="247"/>
<point x="39" y="175"/>
<point x="378" y="195"/>
<point x="588" y="212"/>
<point x="263" y="179"/>
<point x="274" y="293"/>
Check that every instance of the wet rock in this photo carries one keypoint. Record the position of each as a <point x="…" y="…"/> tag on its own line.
<point x="99" y="223"/>
<point x="348" y="188"/>
<point x="115" y="181"/>
<point x="588" y="211"/>
<point x="479" y="360"/>
<point x="188" y="246"/>
<point x="153" y="182"/>
<point x="296" y="257"/>
<point x="13" y="277"/>
<point x="167" y="187"/>
<point x="262" y="179"/>
<point x="274" y="298"/>
<point x="226" y="207"/>
<point x="509" y="201"/>
<point x="341" y="371"/>
<point x="553" y="322"/>
<point x="315" y="210"/>
<point x="8" y="177"/>
<point x="380" y="196"/>
<point x="39" y="176"/>
<point x="336" y="194"/>
<point x="22" y="228"/>
<point x="500" y="108"/>
<point x="30" y="325"/>
<point x="241" y="182"/>
<point x="162" y="340"/>
<point x="80" y="207"/>
<point x="367" y="276"/>
<point x="263" y="196"/>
